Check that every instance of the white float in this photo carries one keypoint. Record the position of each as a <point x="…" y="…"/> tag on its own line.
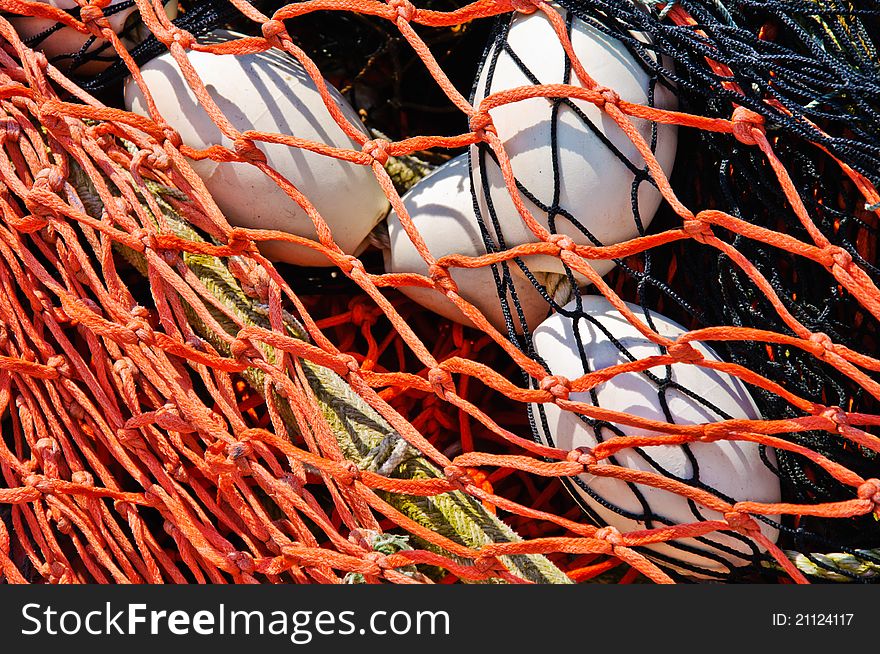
<point x="68" y="41"/>
<point x="442" y="209"/>
<point x="268" y="92"/>
<point x="732" y="468"/>
<point x="594" y="184"/>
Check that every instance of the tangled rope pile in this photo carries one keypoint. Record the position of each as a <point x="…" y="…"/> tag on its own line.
<point x="174" y="411"/>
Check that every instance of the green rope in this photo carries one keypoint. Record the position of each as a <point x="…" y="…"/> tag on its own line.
<point x="838" y="566"/>
<point x="364" y="437"/>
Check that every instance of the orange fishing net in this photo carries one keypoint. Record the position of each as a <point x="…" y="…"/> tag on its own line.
<point x="136" y="449"/>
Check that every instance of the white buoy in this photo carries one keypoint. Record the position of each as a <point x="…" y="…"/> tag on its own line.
<point x="66" y="42"/>
<point x="594" y="185"/>
<point x="268" y="92"/>
<point x="442" y="209"/>
<point x="732" y="469"/>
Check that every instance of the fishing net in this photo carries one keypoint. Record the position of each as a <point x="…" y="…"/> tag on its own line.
<point x="177" y="408"/>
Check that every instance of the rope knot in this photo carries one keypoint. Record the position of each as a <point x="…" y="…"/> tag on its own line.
<point x="837" y="417"/>
<point x="272" y="30"/>
<point x="239" y="449"/>
<point x="50" y="117"/>
<point x="870" y="490"/>
<point x="741" y="522"/>
<point x="351" y="473"/>
<point x="147" y="238"/>
<point x="350" y="363"/>
<point x="75" y="410"/>
<point x="378" y="559"/>
<point x="48" y="448"/>
<point x="9" y="130"/>
<point x="606" y="96"/>
<point x="124" y="368"/>
<point x="349" y="263"/>
<point x="182" y="38"/>
<point x="60" y="364"/>
<point x="486" y="564"/>
<point x="141" y="330"/>
<point x="362" y="313"/>
<point x="29" y="224"/>
<point x="404" y="9"/>
<point x="32" y="481"/>
<point x="697" y="229"/>
<point x="377" y="149"/>
<point x="157" y="158"/>
<point x="562" y="241"/>
<point x="243" y="350"/>
<point x="583" y="456"/>
<point x="248" y="151"/>
<point x="712" y="432"/>
<point x="441" y="382"/>
<point x="51" y="178"/>
<point x="171" y="135"/>
<point x="243" y="560"/>
<point x="57" y="571"/>
<point x="83" y="478"/>
<point x="238" y="240"/>
<point x="823" y="344"/>
<point x="837" y="256"/>
<point x="558" y="386"/>
<point x="442" y="279"/>
<point x="456" y="476"/>
<point x="745" y="121"/>
<point x="610" y="535"/>
<point x="131" y="438"/>
<point x="480" y="123"/>
<point x="684" y="352"/>
<point x="168" y="417"/>
<point x="525" y="6"/>
<point x="94" y="19"/>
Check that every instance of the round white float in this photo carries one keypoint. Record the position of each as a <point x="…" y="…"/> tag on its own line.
<point x="733" y="469"/>
<point x="268" y="92"/>
<point x="595" y="186"/>
<point x="442" y="209"/>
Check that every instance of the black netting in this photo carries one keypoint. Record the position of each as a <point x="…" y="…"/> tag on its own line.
<point x="802" y="66"/>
